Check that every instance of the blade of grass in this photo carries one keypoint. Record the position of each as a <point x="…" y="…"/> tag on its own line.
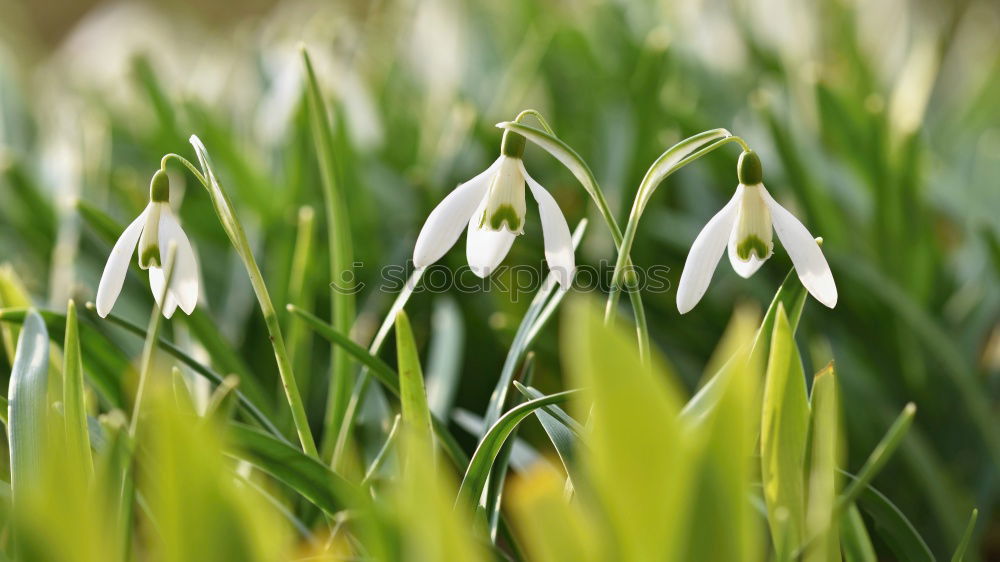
<point x="821" y="515"/>
<point x="28" y="406"/>
<point x="339" y="246"/>
<point x="304" y="474"/>
<point x="879" y="455"/>
<point x="74" y="409"/>
<point x="233" y="228"/>
<point x="893" y="527"/>
<point x="854" y="540"/>
<point x="963" y="545"/>
<point x="412" y="396"/>
<point x="481" y="462"/>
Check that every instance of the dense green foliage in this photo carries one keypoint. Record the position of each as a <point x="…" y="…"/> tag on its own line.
<point x="269" y="433"/>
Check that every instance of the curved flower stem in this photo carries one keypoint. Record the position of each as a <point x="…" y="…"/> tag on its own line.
<point x="569" y="158"/>
<point x="149" y="345"/>
<point x="649" y="183"/>
<point x="242" y="246"/>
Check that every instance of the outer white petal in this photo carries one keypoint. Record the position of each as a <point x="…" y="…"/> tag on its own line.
<point x="156" y="281"/>
<point x="704" y="256"/>
<point x="807" y="257"/>
<point x="743" y="268"/>
<point x="446" y="221"/>
<point x="558" y="240"/>
<point x="114" y="271"/>
<point x="485" y="249"/>
<point x="184" y="283"/>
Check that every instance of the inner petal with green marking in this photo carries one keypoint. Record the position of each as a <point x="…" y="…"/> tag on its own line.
<point x="505" y="206"/>
<point x="753" y="225"/>
<point x="149" y="240"/>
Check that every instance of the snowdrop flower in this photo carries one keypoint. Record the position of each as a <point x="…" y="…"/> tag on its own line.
<point x="491" y="207"/>
<point x="153" y="231"/>
<point x="745" y="224"/>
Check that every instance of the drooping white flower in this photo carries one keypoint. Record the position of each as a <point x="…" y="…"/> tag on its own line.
<point x="491" y="207"/>
<point x="152" y="232"/>
<point x="745" y="225"/>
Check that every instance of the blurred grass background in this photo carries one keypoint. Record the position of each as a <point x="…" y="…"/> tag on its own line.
<point x="877" y="122"/>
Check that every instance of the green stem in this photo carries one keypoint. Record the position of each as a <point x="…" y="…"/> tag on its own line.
<point x="149" y="345"/>
<point x="242" y="246"/>
<point x="646" y="188"/>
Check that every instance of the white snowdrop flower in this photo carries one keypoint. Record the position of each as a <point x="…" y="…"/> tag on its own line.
<point x="745" y="225"/>
<point x="152" y="232"/>
<point x="491" y="207"/>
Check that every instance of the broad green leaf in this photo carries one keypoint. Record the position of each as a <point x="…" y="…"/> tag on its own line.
<point x="821" y="515"/>
<point x="784" y="425"/>
<point x="28" y="406"/>
<point x="481" y="462"/>
<point x="307" y="476"/>
<point x="855" y="543"/>
<point x="74" y="408"/>
<point x="723" y="448"/>
<point x="554" y="529"/>
<point x="632" y="409"/>
<point x="790" y="294"/>
<point x="412" y="397"/>
<point x="338" y="226"/>
<point x="963" y="545"/>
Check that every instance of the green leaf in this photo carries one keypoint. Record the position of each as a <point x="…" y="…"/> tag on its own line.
<point x="963" y="545"/>
<point x="854" y="540"/>
<point x="412" y="397"/>
<point x="444" y="360"/>
<point x="246" y="405"/>
<point x="384" y="374"/>
<point x="821" y="515"/>
<point x="633" y="408"/>
<point x="338" y="226"/>
<point x="482" y="460"/>
<point x="28" y="406"/>
<point x="792" y="295"/>
<point x="307" y="476"/>
<point x="893" y="528"/>
<point x="74" y="408"/>
<point x="784" y="424"/>
<point x="880" y="454"/>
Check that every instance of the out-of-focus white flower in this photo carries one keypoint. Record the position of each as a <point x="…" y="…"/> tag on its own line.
<point x="745" y="225"/>
<point x="152" y="232"/>
<point x="491" y="206"/>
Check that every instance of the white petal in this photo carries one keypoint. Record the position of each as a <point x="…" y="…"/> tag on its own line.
<point x="485" y="249"/>
<point x="156" y="287"/>
<point x="743" y="268"/>
<point x="558" y="240"/>
<point x="114" y="271"/>
<point x="807" y="257"/>
<point x="706" y="251"/>
<point x="445" y="223"/>
<point x="184" y="282"/>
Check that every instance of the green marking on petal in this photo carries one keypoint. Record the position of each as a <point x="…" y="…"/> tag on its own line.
<point x="504" y="214"/>
<point x="752" y="245"/>
<point x="150" y="257"/>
